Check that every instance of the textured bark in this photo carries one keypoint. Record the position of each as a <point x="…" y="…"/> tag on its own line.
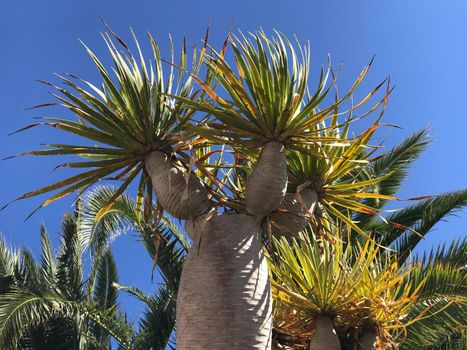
<point x="325" y="337"/>
<point x="297" y="215"/>
<point x="181" y="194"/>
<point x="367" y="340"/>
<point x="267" y="184"/>
<point x="195" y="226"/>
<point x="224" y="299"/>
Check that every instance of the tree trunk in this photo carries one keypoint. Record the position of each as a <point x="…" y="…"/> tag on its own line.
<point x="224" y="299"/>
<point x="267" y="185"/>
<point x="180" y="192"/>
<point x="367" y="340"/>
<point x="298" y="208"/>
<point x="325" y="337"/>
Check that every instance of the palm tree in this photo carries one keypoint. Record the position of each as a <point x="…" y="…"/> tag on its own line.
<point x="157" y="324"/>
<point x="443" y="295"/>
<point x="145" y="123"/>
<point x="48" y="304"/>
<point x="87" y="317"/>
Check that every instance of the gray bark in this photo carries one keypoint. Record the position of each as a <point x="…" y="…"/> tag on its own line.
<point x="195" y="226"/>
<point x="267" y="185"/>
<point x="224" y="299"/>
<point x="179" y="192"/>
<point x="298" y="209"/>
<point x="367" y="340"/>
<point x="325" y="337"/>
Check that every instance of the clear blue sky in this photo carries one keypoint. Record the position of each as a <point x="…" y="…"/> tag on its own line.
<point x="421" y="44"/>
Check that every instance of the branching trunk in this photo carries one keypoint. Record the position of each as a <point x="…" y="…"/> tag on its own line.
<point x="294" y="213"/>
<point x="367" y="340"/>
<point x="325" y="337"/>
<point x="267" y="184"/>
<point x="179" y="192"/>
<point x="224" y="299"/>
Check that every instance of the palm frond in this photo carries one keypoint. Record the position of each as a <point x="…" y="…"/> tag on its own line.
<point x="111" y="322"/>
<point x="452" y="254"/>
<point x="105" y="294"/>
<point x="20" y="309"/>
<point x="443" y="273"/>
<point x="69" y="260"/>
<point x="420" y="217"/>
<point x="396" y="162"/>
<point x="158" y="321"/>
<point x="48" y="263"/>
<point x="124" y="217"/>
<point x="30" y="270"/>
<point x="8" y="263"/>
<point x="443" y="327"/>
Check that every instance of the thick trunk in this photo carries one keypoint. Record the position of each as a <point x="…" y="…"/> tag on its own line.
<point x="180" y="193"/>
<point x="267" y="184"/>
<point x="325" y="337"/>
<point x="367" y="340"/>
<point x="224" y="299"/>
<point x="299" y="207"/>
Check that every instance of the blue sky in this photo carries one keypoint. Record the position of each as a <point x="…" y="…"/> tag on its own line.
<point x="421" y="44"/>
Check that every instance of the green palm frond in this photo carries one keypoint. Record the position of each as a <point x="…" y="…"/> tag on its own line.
<point x="22" y="312"/>
<point x="129" y="116"/>
<point x="8" y="258"/>
<point x="441" y="280"/>
<point x="69" y="260"/>
<point x="399" y="158"/>
<point x="112" y="323"/>
<point x="441" y="306"/>
<point x="30" y="269"/>
<point x="395" y="162"/>
<point x="444" y="322"/>
<point x="48" y="263"/>
<point x="105" y="297"/>
<point x="420" y="217"/>
<point x="452" y="254"/>
<point x="105" y="294"/>
<point x="8" y="263"/>
<point x="123" y="218"/>
<point x="57" y="333"/>
<point x="20" y="309"/>
<point x="457" y="341"/>
<point x="158" y="321"/>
